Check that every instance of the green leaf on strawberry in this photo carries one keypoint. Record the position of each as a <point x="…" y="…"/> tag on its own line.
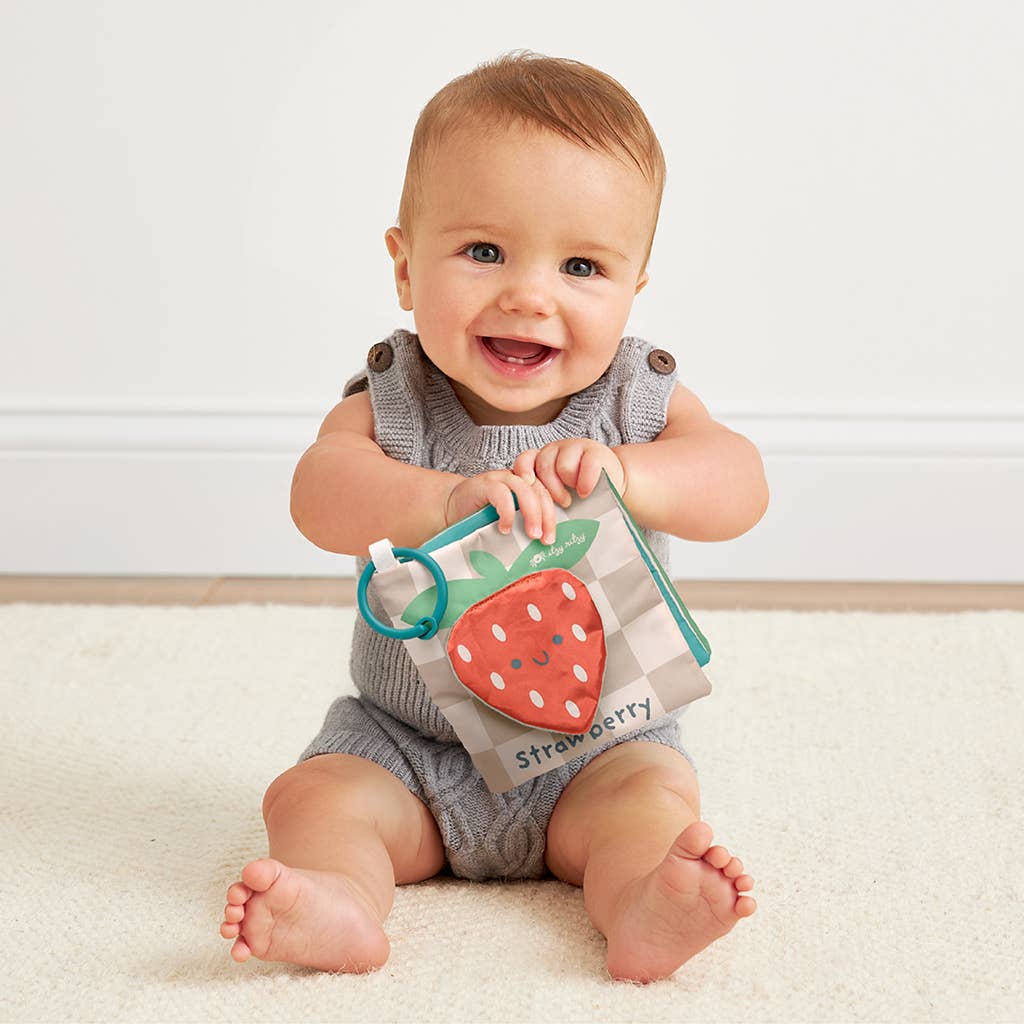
<point x="461" y="595"/>
<point x="488" y="566"/>
<point x="573" y="539"/>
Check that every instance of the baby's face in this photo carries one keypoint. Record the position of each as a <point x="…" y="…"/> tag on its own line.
<point x="525" y="257"/>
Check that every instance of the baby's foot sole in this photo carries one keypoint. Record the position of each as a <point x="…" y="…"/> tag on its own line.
<point x="314" y="918"/>
<point x="693" y="897"/>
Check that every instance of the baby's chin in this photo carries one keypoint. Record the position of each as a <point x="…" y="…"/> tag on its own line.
<point x="504" y="410"/>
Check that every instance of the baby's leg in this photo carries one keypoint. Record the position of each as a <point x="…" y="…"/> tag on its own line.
<point x="343" y="831"/>
<point x="627" y="829"/>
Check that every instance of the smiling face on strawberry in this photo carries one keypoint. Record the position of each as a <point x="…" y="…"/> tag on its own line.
<point x="534" y="650"/>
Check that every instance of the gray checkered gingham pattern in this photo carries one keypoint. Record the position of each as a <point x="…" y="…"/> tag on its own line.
<point x="649" y="669"/>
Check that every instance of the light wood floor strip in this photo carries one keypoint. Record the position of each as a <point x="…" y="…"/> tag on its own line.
<point x="698" y="594"/>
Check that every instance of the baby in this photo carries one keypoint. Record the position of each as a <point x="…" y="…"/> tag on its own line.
<point x="530" y="202"/>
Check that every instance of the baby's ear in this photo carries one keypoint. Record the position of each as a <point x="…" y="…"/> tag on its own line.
<point x="397" y="247"/>
<point x="642" y="282"/>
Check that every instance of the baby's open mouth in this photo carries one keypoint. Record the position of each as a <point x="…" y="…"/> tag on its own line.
<point x="522" y="353"/>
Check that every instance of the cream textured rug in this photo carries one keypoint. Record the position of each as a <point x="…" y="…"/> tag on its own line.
<point x="869" y="770"/>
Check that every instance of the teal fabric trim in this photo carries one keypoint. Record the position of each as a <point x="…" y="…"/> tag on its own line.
<point x="464" y="527"/>
<point x="695" y="639"/>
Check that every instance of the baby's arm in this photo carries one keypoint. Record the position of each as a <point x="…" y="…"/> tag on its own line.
<point x="347" y="493"/>
<point x="697" y="479"/>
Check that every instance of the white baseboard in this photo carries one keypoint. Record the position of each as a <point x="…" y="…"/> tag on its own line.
<point x="858" y="493"/>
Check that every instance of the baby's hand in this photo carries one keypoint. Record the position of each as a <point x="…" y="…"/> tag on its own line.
<point x="496" y="488"/>
<point x="574" y="463"/>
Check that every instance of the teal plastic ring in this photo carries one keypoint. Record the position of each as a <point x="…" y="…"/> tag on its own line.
<point x="429" y="624"/>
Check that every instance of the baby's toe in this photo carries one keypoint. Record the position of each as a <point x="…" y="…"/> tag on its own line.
<point x="239" y="893"/>
<point x="733" y="869"/>
<point x="718" y="857"/>
<point x="241" y="952"/>
<point x="693" y="841"/>
<point x="744" y="883"/>
<point x="745" y="906"/>
<point x="230" y="931"/>
<point x="260" y="875"/>
<point x="233" y="913"/>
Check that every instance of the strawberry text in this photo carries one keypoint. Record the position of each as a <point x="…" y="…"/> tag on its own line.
<point x="626" y="716"/>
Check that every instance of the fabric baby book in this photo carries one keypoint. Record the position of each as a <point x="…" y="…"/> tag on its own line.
<point x="535" y="652"/>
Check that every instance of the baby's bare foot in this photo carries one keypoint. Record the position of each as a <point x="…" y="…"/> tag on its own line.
<point x="315" y="918"/>
<point x="689" y="900"/>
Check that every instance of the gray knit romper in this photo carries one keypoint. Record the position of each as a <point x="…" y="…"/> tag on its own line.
<point x="419" y="420"/>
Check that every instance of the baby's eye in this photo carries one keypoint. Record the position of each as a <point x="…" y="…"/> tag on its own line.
<point x="577" y="266"/>
<point x="483" y="252"/>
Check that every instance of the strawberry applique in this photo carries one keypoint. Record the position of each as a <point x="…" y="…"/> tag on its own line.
<point x="534" y="650"/>
<point x="527" y="639"/>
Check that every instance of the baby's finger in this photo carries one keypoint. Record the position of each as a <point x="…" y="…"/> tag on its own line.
<point x="529" y="505"/>
<point x="568" y="464"/>
<point x="590" y="472"/>
<point x="500" y="496"/>
<point x="548" y="521"/>
<point x="523" y="466"/>
<point x="546" y="468"/>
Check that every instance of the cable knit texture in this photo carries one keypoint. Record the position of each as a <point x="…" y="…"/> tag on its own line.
<point x="418" y="419"/>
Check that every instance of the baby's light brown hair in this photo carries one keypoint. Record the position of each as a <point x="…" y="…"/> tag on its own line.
<point x="570" y="98"/>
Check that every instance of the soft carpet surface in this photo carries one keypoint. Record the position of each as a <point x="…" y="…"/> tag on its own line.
<point x="867" y="768"/>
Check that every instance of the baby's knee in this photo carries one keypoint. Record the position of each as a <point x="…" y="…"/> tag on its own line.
<point x="337" y="782"/>
<point x="647" y="771"/>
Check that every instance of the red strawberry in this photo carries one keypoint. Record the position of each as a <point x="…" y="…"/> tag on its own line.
<point x="534" y="650"/>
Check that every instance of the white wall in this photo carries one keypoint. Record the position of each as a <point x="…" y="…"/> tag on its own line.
<point x="193" y="198"/>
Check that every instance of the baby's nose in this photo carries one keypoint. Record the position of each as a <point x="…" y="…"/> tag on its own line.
<point x="527" y="294"/>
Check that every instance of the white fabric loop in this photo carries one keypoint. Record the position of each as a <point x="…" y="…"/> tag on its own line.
<point x="382" y="556"/>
